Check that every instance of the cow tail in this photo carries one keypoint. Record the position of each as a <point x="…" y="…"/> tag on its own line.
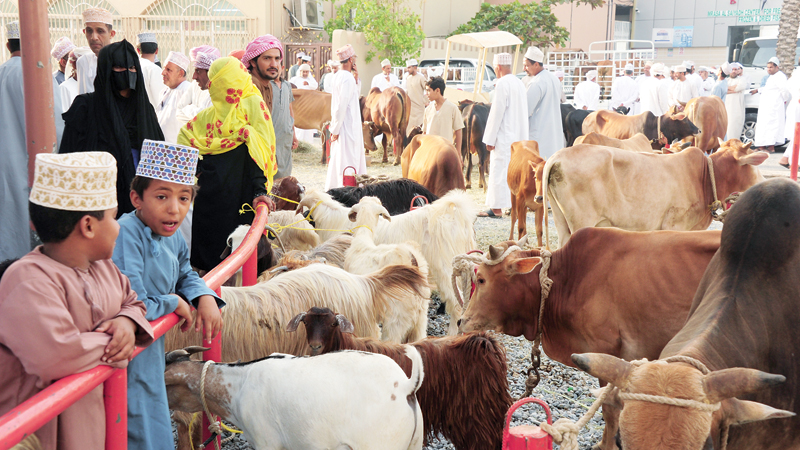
<point x="403" y="125"/>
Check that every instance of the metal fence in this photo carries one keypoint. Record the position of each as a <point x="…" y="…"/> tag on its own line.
<point x="174" y="33"/>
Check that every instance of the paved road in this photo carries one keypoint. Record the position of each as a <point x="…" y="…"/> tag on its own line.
<point x="770" y="167"/>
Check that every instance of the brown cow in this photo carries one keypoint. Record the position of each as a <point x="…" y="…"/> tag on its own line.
<point x="475" y="116"/>
<point x="312" y="111"/>
<point x="742" y="326"/>
<point x="611" y="124"/>
<point x="525" y="182"/>
<point x="710" y="116"/>
<point x="625" y="292"/>
<point x="434" y="163"/>
<point x="638" y="143"/>
<point x="594" y="186"/>
<point x="389" y="112"/>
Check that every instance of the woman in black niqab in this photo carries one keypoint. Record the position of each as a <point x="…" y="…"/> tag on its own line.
<point x="107" y="120"/>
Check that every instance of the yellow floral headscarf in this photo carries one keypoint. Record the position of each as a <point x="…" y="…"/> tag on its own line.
<point x="239" y="116"/>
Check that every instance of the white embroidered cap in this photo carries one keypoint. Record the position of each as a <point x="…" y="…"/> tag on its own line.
<point x="501" y="59"/>
<point x="411" y="63"/>
<point x="680" y="68"/>
<point x="300" y="55"/>
<point x="726" y="68"/>
<point x="345" y="52"/>
<point x="169" y="162"/>
<point x="306" y="58"/>
<point x="83" y="181"/>
<point x="147" y="37"/>
<point x="775" y="60"/>
<point x="629" y="67"/>
<point x="179" y="59"/>
<point x="304" y="67"/>
<point x="77" y="52"/>
<point x="62" y="48"/>
<point x="591" y="75"/>
<point x="333" y="63"/>
<point x="385" y="63"/>
<point x="534" y="54"/>
<point x="98" y="15"/>
<point x="12" y="30"/>
<point x="203" y="56"/>
<point x="657" y="69"/>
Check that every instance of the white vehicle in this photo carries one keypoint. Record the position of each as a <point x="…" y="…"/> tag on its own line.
<point x="753" y="56"/>
<point x="461" y="73"/>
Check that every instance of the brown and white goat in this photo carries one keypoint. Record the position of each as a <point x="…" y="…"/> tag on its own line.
<point x="465" y="394"/>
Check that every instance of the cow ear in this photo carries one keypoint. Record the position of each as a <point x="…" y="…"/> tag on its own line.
<point x="727" y="383"/>
<point x="737" y="412"/>
<point x="747" y="146"/>
<point x="524" y="265"/>
<point x="754" y="159"/>
<point x="605" y="367"/>
<point x="679" y="116"/>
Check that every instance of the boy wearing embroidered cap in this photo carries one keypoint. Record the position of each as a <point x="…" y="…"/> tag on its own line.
<point x="175" y="97"/>
<point x="155" y="257"/>
<point x="98" y="28"/>
<point x="65" y="307"/>
<point x="60" y="53"/>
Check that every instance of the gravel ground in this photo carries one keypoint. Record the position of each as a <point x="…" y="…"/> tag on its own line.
<point x="565" y="389"/>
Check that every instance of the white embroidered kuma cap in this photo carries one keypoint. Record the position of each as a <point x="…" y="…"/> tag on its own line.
<point x="84" y="181"/>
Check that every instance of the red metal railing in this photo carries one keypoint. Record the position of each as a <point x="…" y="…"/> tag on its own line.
<point x="31" y="415"/>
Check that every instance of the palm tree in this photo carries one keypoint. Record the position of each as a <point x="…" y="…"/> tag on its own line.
<point x="787" y="35"/>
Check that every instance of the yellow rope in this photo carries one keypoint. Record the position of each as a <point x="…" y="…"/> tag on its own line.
<point x="286" y="199"/>
<point x="278" y="228"/>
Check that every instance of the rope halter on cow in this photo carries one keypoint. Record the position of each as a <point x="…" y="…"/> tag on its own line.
<point x="463" y="267"/>
<point x="715" y="207"/>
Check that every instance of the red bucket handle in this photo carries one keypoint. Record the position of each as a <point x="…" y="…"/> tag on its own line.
<point x="349" y="167"/>
<point x="522" y="402"/>
<point x="413" y="200"/>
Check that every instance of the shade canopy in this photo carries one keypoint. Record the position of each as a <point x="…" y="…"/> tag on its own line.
<point x="486" y="39"/>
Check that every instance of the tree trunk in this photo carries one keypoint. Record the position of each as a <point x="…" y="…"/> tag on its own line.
<point x="787" y="35"/>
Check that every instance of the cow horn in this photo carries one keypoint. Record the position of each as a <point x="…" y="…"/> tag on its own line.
<point x="738" y="412"/>
<point x="605" y="367"/>
<point x="721" y="142"/>
<point x="523" y="242"/>
<point x="495" y="252"/>
<point x="723" y="384"/>
<point x="279" y="269"/>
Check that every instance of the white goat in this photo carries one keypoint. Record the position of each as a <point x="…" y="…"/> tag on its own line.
<point x="364" y="257"/>
<point x="300" y="237"/>
<point x="343" y="400"/>
<point x="442" y="229"/>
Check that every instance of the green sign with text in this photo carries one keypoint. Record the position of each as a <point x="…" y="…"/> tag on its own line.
<point x="749" y="15"/>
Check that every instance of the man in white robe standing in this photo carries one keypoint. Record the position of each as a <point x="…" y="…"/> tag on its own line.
<point x="646" y="75"/>
<point x="507" y="123"/>
<point x="202" y="57"/>
<point x="175" y="97"/>
<point x="654" y="91"/>
<point x="68" y="90"/>
<point x="693" y="76"/>
<point x="707" y="84"/>
<point x="415" y="88"/>
<point x="153" y="81"/>
<point x="682" y="90"/>
<point x="793" y="86"/>
<point x="98" y="28"/>
<point x="587" y="93"/>
<point x="738" y="85"/>
<point x="326" y="82"/>
<point x="347" y="140"/>
<point x="304" y="81"/>
<point x="771" y="124"/>
<point x="386" y="78"/>
<point x="15" y="231"/>
<point x="60" y="53"/>
<point x="624" y="90"/>
<point x="544" y="105"/>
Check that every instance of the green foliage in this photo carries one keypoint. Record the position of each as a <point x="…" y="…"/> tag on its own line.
<point x="534" y="23"/>
<point x="391" y="29"/>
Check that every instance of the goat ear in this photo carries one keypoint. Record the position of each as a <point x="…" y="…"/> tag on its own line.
<point x="353" y="215"/>
<point x="344" y="324"/>
<point x="294" y="323"/>
<point x="385" y="214"/>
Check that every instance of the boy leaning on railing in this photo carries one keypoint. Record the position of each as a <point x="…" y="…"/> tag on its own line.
<point x="65" y="307"/>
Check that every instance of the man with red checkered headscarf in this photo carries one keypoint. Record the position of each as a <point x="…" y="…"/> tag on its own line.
<point x="264" y="58"/>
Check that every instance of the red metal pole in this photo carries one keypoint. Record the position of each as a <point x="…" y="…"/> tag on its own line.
<point x="40" y="128"/>
<point x="250" y="269"/>
<point x="115" y="398"/>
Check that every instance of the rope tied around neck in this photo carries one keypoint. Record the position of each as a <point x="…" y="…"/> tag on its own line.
<point x="214" y="426"/>
<point x="565" y="432"/>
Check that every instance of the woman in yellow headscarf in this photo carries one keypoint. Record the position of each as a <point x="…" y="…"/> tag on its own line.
<point x="237" y="145"/>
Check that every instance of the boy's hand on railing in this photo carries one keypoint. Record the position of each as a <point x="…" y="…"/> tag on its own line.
<point x="208" y="317"/>
<point x="123" y="337"/>
<point x="184" y="311"/>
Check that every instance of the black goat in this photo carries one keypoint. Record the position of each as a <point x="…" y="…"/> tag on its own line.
<point x="395" y="195"/>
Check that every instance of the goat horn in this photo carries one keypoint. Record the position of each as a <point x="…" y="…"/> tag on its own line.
<point x="175" y="355"/>
<point x="279" y="269"/>
<point x="277" y="236"/>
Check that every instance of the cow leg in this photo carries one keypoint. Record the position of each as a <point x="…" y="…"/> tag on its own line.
<point x="611" y="418"/>
<point x="385" y="148"/>
<point x="468" y="171"/>
<point x="539" y="215"/>
<point x="483" y="169"/>
<point x="514" y="202"/>
<point x="522" y="216"/>
<point x="397" y="147"/>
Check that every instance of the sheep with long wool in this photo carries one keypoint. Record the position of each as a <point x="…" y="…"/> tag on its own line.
<point x="442" y="229"/>
<point x="364" y="257"/>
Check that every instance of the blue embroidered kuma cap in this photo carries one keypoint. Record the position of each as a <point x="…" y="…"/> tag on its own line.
<point x="169" y="162"/>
